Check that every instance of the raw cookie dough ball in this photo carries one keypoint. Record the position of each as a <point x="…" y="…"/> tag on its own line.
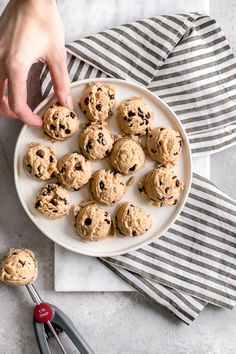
<point x="134" y="117"/>
<point x="127" y="156"/>
<point x="52" y="201"/>
<point x="40" y="161"/>
<point x="98" y="101"/>
<point x="74" y="171"/>
<point x="60" y="123"/>
<point x="164" y="146"/>
<point x="96" y="142"/>
<point x="107" y="186"/>
<point x="92" y="222"/>
<point x="132" y="221"/>
<point x="162" y="186"/>
<point x="19" y="267"/>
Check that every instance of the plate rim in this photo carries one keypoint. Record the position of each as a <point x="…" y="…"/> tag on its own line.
<point x="46" y="101"/>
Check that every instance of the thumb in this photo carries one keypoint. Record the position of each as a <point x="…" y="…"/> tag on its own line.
<point x="60" y="79"/>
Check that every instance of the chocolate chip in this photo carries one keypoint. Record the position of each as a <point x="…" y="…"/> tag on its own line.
<point x="56" y="135"/>
<point x="99" y="89"/>
<point x="72" y="115"/>
<point x="176" y="153"/>
<point x="89" y="146"/>
<point x="101" y="185"/>
<point x="78" y="167"/>
<point x="37" y="204"/>
<point x="131" y="114"/>
<point x="84" y="112"/>
<point x="134" y="233"/>
<point x="148" y="115"/>
<point x="104" y="142"/>
<point x="62" y="170"/>
<point x="107" y="221"/>
<point x="76" y="189"/>
<point x="139" y="109"/>
<point x="175" y="202"/>
<point x="180" y="143"/>
<point x="55" y="116"/>
<point x="52" y="127"/>
<point x="132" y="169"/>
<point x="106" y="213"/>
<point x="29" y="168"/>
<point x="99" y="107"/>
<point x="154" y="151"/>
<point x="86" y="101"/>
<point x="38" y="175"/>
<point x="166" y="190"/>
<point x="67" y="131"/>
<point x="177" y="183"/>
<point x="51" y="159"/>
<point x="141" y="189"/>
<point x="146" y="130"/>
<point x="100" y="135"/>
<point x="55" y="211"/>
<point x="161" y="183"/>
<point x="110" y="112"/>
<point x="54" y="202"/>
<point x="161" y="129"/>
<point x="160" y="143"/>
<point x="88" y="221"/>
<point x="61" y="126"/>
<point x="44" y="192"/>
<point x="22" y="262"/>
<point x="149" y="136"/>
<point x="141" y="115"/>
<point x="174" y="177"/>
<point x="112" y="97"/>
<point x="107" y="152"/>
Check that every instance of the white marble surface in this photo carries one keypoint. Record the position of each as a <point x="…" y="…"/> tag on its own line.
<point x="113" y="323"/>
<point x="91" y="275"/>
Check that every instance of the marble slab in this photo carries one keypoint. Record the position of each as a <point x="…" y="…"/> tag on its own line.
<point x="75" y="272"/>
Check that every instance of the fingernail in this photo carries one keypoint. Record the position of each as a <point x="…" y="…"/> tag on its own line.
<point x="37" y="121"/>
<point x="69" y="102"/>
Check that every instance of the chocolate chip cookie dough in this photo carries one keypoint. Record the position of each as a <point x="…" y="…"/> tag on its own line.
<point x="96" y="141"/>
<point x="74" y="171"/>
<point x="127" y="156"/>
<point x="19" y="267"/>
<point x="132" y="221"/>
<point x="92" y="222"/>
<point x="161" y="186"/>
<point x="107" y="186"/>
<point x="164" y="146"/>
<point x="40" y="161"/>
<point x="98" y="101"/>
<point x="60" y="123"/>
<point x="134" y="117"/>
<point x="52" y="201"/>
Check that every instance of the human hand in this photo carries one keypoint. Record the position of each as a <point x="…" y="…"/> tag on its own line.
<point x="31" y="31"/>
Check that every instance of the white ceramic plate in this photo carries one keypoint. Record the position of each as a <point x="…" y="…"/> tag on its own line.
<point x="61" y="231"/>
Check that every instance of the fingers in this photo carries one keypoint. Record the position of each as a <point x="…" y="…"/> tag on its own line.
<point x="60" y="78"/>
<point x="4" y="106"/>
<point x="17" y="97"/>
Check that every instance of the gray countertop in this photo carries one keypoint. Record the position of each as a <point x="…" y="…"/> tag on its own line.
<point x="113" y="323"/>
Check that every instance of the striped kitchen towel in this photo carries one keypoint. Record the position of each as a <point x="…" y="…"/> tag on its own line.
<point x="186" y="60"/>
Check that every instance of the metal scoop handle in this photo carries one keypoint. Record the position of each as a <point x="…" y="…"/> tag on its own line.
<point x="62" y="320"/>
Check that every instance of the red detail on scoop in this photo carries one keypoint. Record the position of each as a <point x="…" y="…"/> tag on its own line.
<point x="43" y="313"/>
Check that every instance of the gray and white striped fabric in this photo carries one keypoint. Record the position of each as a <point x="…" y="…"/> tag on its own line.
<point x="186" y="60"/>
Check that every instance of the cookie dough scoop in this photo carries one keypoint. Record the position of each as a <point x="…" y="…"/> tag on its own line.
<point x="161" y="186"/>
<point x="92" y="222"/>
<point x="132" y="220"/>
<point x="127" y="156"/>
<point x="98" y="101"/>
<point x="60" y="123"/>
<point x="164" y="146"/>
<point x="19" y="267"/>
<point x="134" y="117"/>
